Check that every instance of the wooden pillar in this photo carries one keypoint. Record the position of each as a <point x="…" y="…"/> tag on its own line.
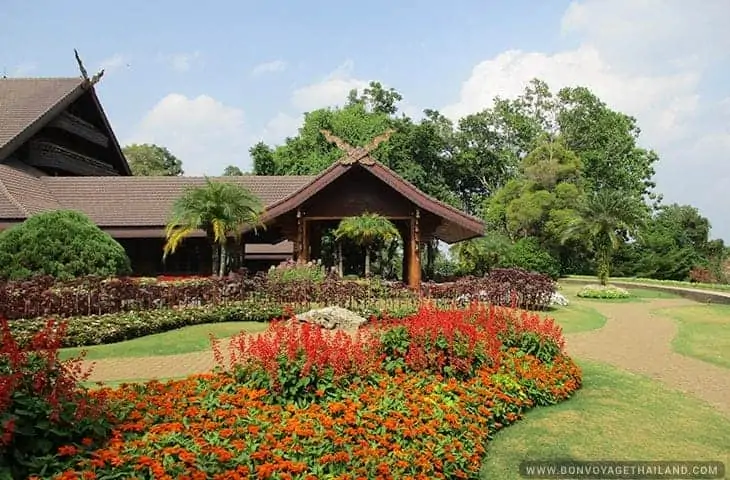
<point x="301" y="246"/>
<point x="414" y="253"/>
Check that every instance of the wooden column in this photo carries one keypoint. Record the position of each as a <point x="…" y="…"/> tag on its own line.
<point x="414" y="253"/>
<point x="302" y="243"/>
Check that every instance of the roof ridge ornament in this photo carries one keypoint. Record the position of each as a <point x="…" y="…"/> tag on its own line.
<point x="357" y="154"/>
<point x="89" y="81"/>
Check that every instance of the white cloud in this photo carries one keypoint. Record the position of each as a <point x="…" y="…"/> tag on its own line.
<point x="184" y="61"/>
<point x="203" y="132"/>
<point x="330" y="91"/>
<point x="112" y="63"/>
<point x="269" y="67"/>
<point x="283" y="125"/>
<point x="652" y="33"/>
<point x="647" y="58"/>
<point x="663" y="102"/>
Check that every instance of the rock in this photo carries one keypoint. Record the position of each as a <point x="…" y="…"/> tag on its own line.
<point x="333" y="317"/>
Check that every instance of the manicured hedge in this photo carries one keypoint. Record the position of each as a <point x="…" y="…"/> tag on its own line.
<point x="117" y="327"/>
<point x="44" y="297"/>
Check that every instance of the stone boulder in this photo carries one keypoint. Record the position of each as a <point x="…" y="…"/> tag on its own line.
<point x="332" y="317"/>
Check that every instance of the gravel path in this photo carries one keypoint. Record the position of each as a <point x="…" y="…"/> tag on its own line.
<point x="634" y="339"/>
<point x="638" y="340"/>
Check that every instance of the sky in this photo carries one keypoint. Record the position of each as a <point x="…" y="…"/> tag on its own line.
<point x="210" y="79"/>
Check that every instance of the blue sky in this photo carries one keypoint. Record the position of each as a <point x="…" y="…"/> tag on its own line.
<point x="208" y="82"/>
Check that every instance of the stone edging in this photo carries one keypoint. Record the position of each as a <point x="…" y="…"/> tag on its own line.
<point x="704" y="296"/>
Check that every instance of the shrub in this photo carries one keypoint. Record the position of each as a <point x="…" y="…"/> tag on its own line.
<point x="42" y="405"/>
<point x="607" y="292"/>
<point x="503" y="286"/>
<point x="116" y="327"/>
<point x="527" y="254"/>
<point x="295" y="271"/>
<point x="62" y="244"/>
<point x="702" y="275"/>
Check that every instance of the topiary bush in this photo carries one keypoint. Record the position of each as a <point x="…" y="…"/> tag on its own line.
<point x="63" y="244"/>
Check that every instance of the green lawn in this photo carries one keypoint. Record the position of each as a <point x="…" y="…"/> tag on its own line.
<point x="183" y="340"/>
<point x="638" y="294"/>
<point x="576" y="318"/>
<point x="704" y="332"/>
<point x="616" y="415"/>
<point x="668" y="283"/>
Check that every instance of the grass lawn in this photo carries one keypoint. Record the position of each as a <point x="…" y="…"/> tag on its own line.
<point x="704" y="332"/>
<point x="615" y="416"/>
<point x="668" y="283"/>
<point x="576" y="318"/>
<point x="183" y="340"/>
<point x="638" y="294"/>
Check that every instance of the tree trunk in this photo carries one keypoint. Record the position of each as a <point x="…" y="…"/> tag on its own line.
<point x="215" y="257"/>
<point x="603" y="260"/>
<point x="367" y="262"/>
<point x="339" y="259"/>
<point x="223" y="259"/>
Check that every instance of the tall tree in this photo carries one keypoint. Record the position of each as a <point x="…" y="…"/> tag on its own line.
<point x="608" y="219"/>
<point x="220" y="209"/>
<point x="151" y="160"/>
<point x="232" y="171"/>
<point x="606" y="141"/>
<point x="263" y="160"/>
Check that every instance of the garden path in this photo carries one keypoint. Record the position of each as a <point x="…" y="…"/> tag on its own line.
<point x="637" y="339"/>
<point x="634" y="338"/>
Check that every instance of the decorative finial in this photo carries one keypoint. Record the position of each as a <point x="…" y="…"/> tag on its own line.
<point x="357" y="154"/>
<point x="84" y="74"/>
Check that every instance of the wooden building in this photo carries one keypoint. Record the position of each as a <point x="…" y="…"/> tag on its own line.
<point x="58" y="151"/>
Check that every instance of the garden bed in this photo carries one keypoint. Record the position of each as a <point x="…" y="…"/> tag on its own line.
<point x="414" y="398"/>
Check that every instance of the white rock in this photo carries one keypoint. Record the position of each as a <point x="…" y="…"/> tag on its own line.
<point x="332" y="317"/>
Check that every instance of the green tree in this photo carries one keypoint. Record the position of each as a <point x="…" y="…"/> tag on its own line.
<point x="367" y="230"/>
<point x="480" y="255"/>
<point x="220" y="209"/>
<point x="151" y="160"/>
<point x="63" y="244"/>
<point x="673" y="241"/>
<point x="606" y="142"/>
<point x="608" y="219"/>
<point x="232" y="171"/>
<point x="263" y="160"/>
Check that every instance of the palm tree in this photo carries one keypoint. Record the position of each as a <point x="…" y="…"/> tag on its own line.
<point x="366" y="230"/>
<point x="607" y="218"/>
<point x="220" y="209"/>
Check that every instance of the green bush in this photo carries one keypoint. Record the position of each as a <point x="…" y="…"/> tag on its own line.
<point x="118" y="327"/>
<point x="607" y="292"/>
<point x="529" y="255"/>
<point x="63" y="244"/>
<point x="293" y="271"/>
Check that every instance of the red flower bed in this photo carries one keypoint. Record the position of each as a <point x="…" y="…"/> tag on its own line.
<point x="417" y="398"/>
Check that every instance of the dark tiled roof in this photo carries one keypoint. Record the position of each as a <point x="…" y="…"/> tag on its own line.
<point x="24" y="101"/>
<point x="147" y="201"/>
<point x="23" y="194"/>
